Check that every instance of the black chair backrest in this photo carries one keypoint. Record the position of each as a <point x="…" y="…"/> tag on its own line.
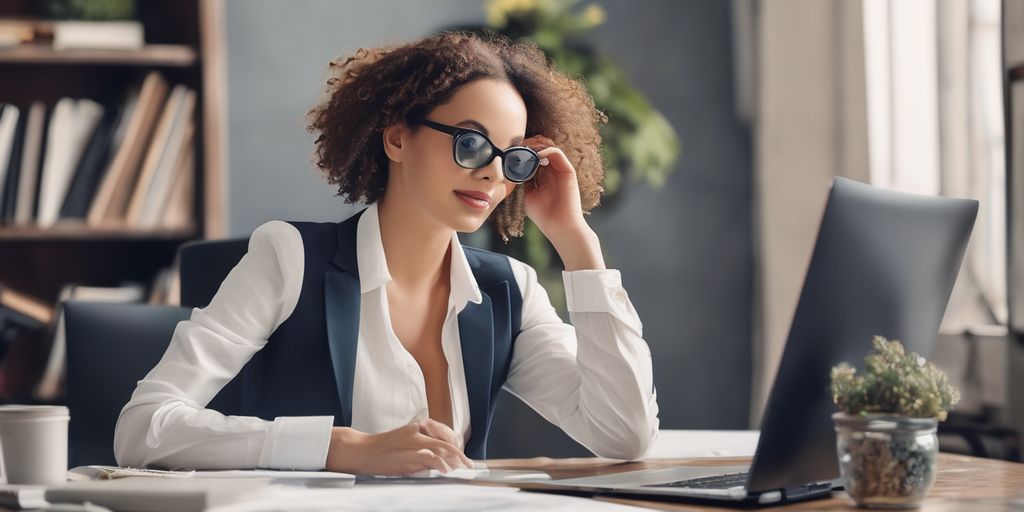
<point x="204" y="265"/>
<point x="110" y="347"/>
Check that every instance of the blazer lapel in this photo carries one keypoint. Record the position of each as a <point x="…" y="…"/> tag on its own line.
<point x="476" y="333"/>
<point x="341" y="311"/>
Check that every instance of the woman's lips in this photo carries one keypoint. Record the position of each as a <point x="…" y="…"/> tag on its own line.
<point x="474" y="199"/>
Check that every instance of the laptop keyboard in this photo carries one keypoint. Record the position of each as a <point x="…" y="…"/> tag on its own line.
<point x="709" y="482"/>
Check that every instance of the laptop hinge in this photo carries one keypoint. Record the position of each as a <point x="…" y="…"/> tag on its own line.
<point x="808" y="491"/>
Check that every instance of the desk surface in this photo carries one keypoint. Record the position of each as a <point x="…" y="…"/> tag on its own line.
<point x="962" y="482"/>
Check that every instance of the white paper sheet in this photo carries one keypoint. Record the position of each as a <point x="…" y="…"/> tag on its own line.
<point x="427" y="497"/>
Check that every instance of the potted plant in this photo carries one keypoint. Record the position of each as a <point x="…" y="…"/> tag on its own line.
<point x="886" y="438"/>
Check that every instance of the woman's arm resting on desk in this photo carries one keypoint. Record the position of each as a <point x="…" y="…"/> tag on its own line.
<point x="166" y="423"/>
<point x="418" y="446"/>
<point x="593" y="378"/>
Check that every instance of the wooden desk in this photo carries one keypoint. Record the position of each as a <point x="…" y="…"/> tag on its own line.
<point x="963" y="483"/>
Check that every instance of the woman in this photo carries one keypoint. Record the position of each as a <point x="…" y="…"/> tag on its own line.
<point x="378" y="345"/>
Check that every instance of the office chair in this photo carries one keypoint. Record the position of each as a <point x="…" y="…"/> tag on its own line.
<point x="204" y="265"/>
<point x="110" y="347"/>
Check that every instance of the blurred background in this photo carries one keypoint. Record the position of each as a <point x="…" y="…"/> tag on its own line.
<point x="129" y="128"/>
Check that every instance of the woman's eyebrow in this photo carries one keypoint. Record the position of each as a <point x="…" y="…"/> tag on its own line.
<point x="477" y="125"/>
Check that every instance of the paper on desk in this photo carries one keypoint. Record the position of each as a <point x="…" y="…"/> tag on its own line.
<point x="430" y="498"/>
<point x="478" y="472"/>
<point x="325" y="478"/>
<point x="98" y="472"/>
<point x="499" y="475"/>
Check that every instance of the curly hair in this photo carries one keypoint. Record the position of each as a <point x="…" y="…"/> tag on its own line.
<point x="375" y="88"/>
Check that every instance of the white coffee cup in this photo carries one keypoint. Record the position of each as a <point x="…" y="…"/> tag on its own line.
<point x="34" y="443"/>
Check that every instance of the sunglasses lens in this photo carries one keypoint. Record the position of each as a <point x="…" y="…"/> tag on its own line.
<point x="472" y="150"/>
<point x="520" y="164"/>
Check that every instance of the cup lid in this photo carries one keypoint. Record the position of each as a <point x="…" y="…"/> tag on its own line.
<point x="16" y="411"/>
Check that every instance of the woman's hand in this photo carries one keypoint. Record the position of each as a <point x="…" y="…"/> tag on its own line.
<point x="553" y="204"/>
<point x="425" y="444"/>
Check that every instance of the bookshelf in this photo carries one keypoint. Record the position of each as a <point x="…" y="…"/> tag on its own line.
<point x="183" y="42"/>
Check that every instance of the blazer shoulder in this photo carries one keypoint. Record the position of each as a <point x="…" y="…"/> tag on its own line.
<point x="489" y="267"/>
<point x="311" y="227"/>
<point x="482" y="258"/>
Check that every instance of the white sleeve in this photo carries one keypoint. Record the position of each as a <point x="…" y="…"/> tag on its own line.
<point x="166" y="422"/>
<point x="592" y="378"/>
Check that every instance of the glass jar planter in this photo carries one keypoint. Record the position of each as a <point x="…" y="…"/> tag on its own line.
<point x="886" y="461"/>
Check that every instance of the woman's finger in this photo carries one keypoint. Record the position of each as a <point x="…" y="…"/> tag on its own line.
<point x="556" y="160"/>
<point x="458" y="458"/>
<point x="449" y="451"/>
<point x="452" y="457"/>
<point x="438" y="430"/>
<point x="431" y="460"/>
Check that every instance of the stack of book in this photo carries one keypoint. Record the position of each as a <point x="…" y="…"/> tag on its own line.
<point x="72" y="34"/>
<point x="121" y="165"/>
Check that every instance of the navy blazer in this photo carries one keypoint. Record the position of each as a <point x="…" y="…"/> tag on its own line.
<point x="307" y="366"/>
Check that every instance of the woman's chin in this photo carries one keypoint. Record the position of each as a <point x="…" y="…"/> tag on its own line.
<point x="467" y="223"/>
<point x="468" y="227"/>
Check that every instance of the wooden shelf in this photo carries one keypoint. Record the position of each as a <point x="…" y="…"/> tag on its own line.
<point x="79" y="232"/>
<point x="165" y="55"/>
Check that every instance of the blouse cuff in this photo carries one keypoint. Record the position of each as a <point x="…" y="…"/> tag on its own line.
<point x="599" y="291"/>
<point x="297" y="442"/>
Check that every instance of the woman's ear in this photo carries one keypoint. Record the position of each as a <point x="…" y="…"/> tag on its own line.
<point x="393" y="136"/>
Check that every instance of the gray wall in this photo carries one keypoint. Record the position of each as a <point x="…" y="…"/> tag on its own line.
<point x="684" y="251"/>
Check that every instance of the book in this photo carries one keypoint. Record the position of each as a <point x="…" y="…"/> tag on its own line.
<point x="35" y="128"/>
<point x="25" y="31"/>
<point x="178" y="212"/>
<point x="146" y="494"/>
<point x="166" y="288"/>
<point x="90" y="168"/>
<point x="179" y="160"/>
<point x="50" y="386"/>
<point x="15" y="32"/>
<point x="72" y="124"/>
<point x="163" y="149"/>
<point x="110" y="202"/>
<point x="9" y="185"/>
<point x="9" y="115"/>
<point x="111" y="35"/>
<point x="37" y="311"/>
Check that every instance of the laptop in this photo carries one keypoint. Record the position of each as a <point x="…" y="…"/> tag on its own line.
<point x="884" y="263"/>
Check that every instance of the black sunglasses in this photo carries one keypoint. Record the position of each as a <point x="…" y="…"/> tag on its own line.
<point x="473" y="150"/>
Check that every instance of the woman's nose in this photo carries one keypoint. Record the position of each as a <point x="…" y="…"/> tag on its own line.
<point x="492" y="171"/>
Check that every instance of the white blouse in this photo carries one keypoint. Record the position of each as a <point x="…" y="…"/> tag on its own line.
<point x="599" y="389"/>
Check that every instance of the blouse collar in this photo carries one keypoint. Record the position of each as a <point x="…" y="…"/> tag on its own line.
<point x="373" y="266"/>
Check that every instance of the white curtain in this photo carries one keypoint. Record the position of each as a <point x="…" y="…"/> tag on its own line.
<point x="905" y="94"/>
<point x="935" y="126"/>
